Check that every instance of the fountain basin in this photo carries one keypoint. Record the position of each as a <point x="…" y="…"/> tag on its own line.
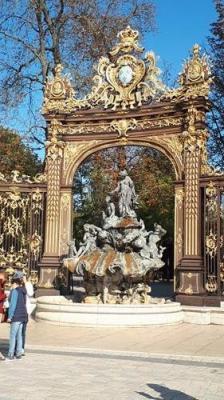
<point x="60" y="311"/>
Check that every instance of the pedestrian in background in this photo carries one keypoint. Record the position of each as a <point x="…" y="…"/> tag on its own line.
<point x="2" y="300"/>
<point x="17" y="316"/>
<point x="2" y="309"/>
<point x="29" y="294"/>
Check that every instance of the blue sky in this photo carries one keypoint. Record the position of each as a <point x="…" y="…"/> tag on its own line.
<point x="180" y="24"/>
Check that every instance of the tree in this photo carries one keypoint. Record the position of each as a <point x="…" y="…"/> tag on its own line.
<point x="151" y="172"/>
<point x="216" y="119"/>
<point x="35" y="35"/>
<point x="15" y="155"/>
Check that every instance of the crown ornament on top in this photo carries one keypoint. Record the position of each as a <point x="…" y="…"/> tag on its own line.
<point x="123" y="80"/>
<point x="128" y="42"/>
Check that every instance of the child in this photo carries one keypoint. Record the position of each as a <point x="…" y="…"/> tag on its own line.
<point x="17" y="316"/>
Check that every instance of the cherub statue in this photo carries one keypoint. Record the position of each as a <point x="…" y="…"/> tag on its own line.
<point x="109" y="217"/>
<point x="89" y="239"/>
<point x="72" y="251"/>
<point x="154" y="237"/>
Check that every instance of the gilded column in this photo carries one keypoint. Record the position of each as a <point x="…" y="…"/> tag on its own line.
<point x="190" y="271"/>
<point x="50" y="261"/>
<point x="192" y="196"/>
<point x="65" y="221"/>
<point x="54" y="160"/>
<point x="178" y="227"/>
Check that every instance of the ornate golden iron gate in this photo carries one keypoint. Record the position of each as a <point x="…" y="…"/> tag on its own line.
<point x="21" y="223"/>
<point x="129" y="105"/>
<point x="213" y="235"/>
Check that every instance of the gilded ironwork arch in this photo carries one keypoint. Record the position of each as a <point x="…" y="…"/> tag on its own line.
<point x="130" y="105"/>
<point x="82" y="151"/>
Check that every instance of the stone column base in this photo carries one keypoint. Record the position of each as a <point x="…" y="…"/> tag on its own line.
<point x="49" y="267"/>
<point x="209" y="301"/>
<point x="190" y="276"/>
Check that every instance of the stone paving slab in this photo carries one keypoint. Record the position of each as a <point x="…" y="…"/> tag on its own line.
<point x="184" y="362"/>
<point x="123" y="355"/>
<point x="180" y="340"/>
<point x="64" y="376"/>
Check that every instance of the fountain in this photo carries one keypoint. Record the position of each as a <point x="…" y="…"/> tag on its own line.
<point x="117" y="259"/>
<point x="117" y="262"/>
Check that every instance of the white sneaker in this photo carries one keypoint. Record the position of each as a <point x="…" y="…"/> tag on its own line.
<point x="9" y="358"/>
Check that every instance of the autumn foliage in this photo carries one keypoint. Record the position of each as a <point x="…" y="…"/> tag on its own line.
<point x="14" y="154"/>
<point x="151" y="172"/>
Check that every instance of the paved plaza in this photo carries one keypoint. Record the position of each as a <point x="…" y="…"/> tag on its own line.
<point x="60" y="375"/>
<point x="184" y="362"/>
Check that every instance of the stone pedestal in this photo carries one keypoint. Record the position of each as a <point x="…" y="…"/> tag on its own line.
<point x="49" y="267"/>
<point x="61" y="311"/>
<point x="191" y="276"/>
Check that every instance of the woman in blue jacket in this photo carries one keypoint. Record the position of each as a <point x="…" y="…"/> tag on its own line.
<point x="17" y="315"/>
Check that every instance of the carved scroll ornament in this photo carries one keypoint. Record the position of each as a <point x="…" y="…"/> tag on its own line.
<point x="54" y="146"/>
<point x="17" y="177"/>
<point x="122" y="80"/>
<point x="122" y="126"/>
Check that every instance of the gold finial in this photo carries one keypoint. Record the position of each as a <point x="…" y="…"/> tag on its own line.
<point x="58" y="69"/>
<point x="196" y="50"/>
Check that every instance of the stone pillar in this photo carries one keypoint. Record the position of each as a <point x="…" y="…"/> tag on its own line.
<point x="50" y="262"/>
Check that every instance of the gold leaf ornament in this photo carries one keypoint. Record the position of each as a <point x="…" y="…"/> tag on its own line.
<point x="128" y="42"/>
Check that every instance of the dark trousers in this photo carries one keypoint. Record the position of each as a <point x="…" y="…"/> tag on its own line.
<point x="24" y="333"/>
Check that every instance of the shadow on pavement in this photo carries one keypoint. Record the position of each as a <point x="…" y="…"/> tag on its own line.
<point x="165" y="393"/>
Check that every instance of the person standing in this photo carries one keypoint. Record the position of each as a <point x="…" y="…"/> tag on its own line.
<point x="17" y="316"/>
<point x="2" y="310"/>
<point x="2" y="300"/>
<point x="29" y="294"/>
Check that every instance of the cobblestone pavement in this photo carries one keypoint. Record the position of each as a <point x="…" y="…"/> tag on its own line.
<point x="54" y="374"/>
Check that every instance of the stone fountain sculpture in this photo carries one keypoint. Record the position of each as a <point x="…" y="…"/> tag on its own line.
<point x="118" y="259"/>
